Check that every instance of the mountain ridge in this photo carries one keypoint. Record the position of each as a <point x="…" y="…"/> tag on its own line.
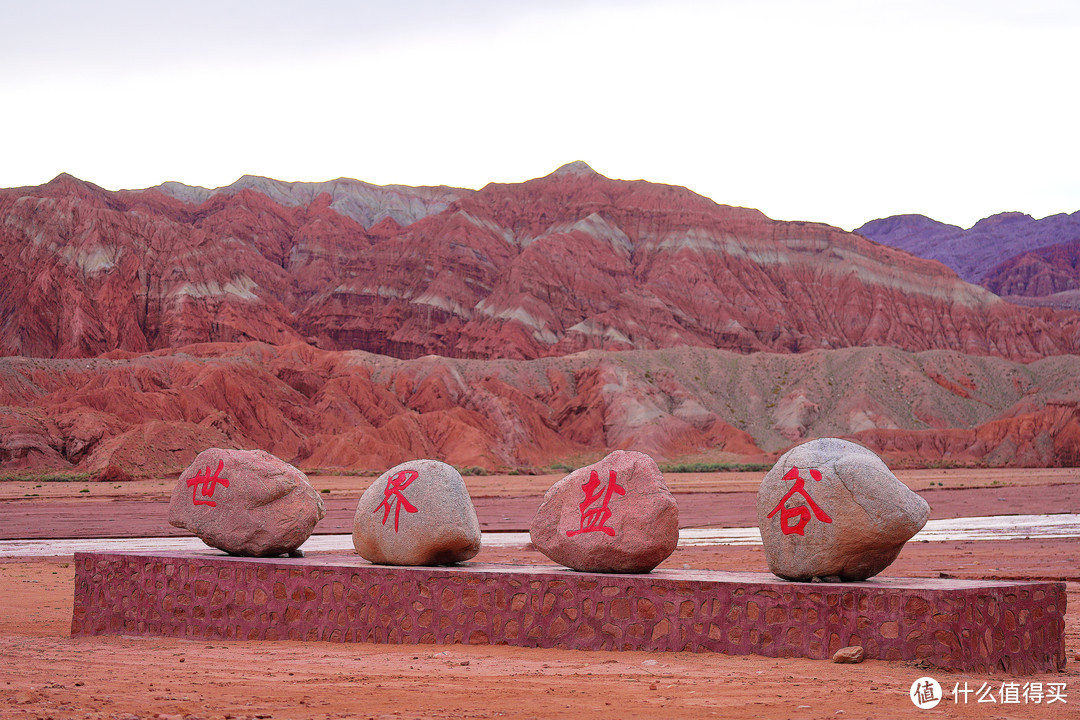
<point x="149" y="414"/>
<point x="554" y="265"/>
<point x="512" y="326"/>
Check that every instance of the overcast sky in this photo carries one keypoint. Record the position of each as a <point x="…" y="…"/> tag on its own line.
<point x="834" y="111"/>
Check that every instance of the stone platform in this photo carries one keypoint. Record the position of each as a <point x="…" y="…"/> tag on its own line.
<point x="984" y="626"/>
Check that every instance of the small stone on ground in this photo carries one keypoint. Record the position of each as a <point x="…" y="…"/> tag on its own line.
<point x="851" y="654"/>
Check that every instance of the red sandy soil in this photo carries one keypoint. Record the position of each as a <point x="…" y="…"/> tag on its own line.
<point x="45" y="673"/>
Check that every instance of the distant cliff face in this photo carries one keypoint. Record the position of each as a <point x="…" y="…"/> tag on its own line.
<point x="1044" y="272"/>
<point x="569" y="262"/>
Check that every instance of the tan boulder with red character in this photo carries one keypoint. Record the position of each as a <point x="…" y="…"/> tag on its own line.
<point x="417" y="513"/>
<point x="246" y="502"/>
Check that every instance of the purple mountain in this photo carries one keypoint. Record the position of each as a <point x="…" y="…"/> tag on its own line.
<point x="1009" y="253"/>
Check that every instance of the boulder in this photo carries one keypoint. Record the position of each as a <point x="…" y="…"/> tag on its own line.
<point x="246" y="502"/>
<point x="831" y="509"/>
<point x="615" y="516"/>
<point x="417" y="513"/>
<point x="851" y="655"/>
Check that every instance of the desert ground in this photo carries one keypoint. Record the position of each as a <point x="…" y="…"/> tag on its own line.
<point x="46" y="673"/>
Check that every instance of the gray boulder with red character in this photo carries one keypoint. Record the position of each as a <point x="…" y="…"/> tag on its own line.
<point x="614" y="516"/>
<point x="832" y="510"/>
<point x="417" y="513"/>
<point x="246" y="502"/>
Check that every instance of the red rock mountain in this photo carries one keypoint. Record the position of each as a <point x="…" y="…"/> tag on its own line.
<point x="342" y="324"/>
<point x="1045" y="272"/>
<point x="565" y="263"/>
<point x="149" y="414"/>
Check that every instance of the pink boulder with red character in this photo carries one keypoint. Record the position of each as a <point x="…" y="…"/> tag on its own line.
<point x="615" y="516"/>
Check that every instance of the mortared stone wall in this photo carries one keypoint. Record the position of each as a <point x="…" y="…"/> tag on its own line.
<point x="984" y="626"/>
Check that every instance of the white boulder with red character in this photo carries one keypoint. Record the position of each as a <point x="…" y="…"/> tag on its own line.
<point x="832" y="510"/>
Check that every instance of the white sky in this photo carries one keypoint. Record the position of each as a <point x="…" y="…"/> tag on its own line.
<point x="834" y="111"/>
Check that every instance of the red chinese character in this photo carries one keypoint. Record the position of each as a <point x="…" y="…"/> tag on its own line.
<point x="801" y="512"/>
<point x="592" y="520"/>
<point x="394" y="486"/>
<point x="208" y="483"/>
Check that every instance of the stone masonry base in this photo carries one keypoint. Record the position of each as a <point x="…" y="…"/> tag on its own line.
<point x="985" y="626"/>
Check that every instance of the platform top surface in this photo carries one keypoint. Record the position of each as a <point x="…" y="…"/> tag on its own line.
<point x="348" y="560"/>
